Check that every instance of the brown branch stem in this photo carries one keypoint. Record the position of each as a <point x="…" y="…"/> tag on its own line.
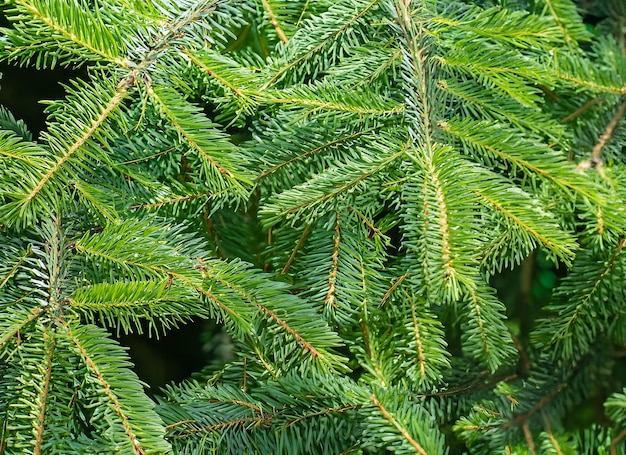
<point x="272" y="16"/>
<point x="303" y="237"/>
<point x="608" y="132"/>
<point x="403" y="431"/>
<point x="616" y="441"/>
<point x="521" y="419"/>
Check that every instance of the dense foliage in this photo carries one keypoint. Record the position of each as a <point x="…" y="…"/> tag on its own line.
<point x="340" y="185"/>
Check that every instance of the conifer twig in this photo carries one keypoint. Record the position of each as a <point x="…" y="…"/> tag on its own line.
<point x="332" y="276"/>
<point x="521" y="419"/>
<point x="303" y="237"/>
<point x="319" y="413"/>
<point x="272" y="16"/>
<point x="529" y="438"/>
<point x="608" y="132"/>
<point x="403" y="431"/>
<point x="581" y="110"/>
<point x="616" y="441"/>
<point x="553" y="440"/>
<point x="393" y="288"/>
<point x="41" y="418"/>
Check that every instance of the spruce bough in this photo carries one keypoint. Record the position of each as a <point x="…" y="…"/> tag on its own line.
<point x="338" y="184"/>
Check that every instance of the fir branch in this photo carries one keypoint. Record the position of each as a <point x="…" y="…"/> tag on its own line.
<point x="581" y="110"/>
<point x="445" y="254"/>
<point x="426" y="359"/>
<point x="522" y="419"/>
<point x="608" y="132"/>
<point x="553" y="440"/>
<point x="323" y="412"/>
<point x="267" y="365"/>
<point x="31" y="155"/>
<point x="529" y="438"/>
<point x="507" y="71"/>
<point x="393" y="287"/>
<point x="211" y="63"/>
<point x="303" y="237"/>
<point x="75" y="24"/>
<point x="403" y="431"/>
<point x="174" y="199"/>
<point x="595" y="86"/>
<point x="582" y="73"/>
<point x="89" y="193"/>
<point x="164" y="264"/>
<point x="616" y="440"/>
<point x="152" y="268"/>
<point x="441" y="208"/>
<point x="325" y="187"/>
<point x="301" y="341"/>
<point x="401" y="155"/>
<point x="131" y="408"/>
<point x="480" y="101"/>
<point x="577" y="302"/>
<point x="280" y="309"/>
<point x="50" y="344"/>
<point x="421" y="359"/>
<point x="19" y="322"/>
<point x="201" y="134"/>
<point x="517" y="28"/>
<point x="239" y="317"/>
<point x="332" y="275"/>
<point x="326" y="100"/>
<point x="336" y="17"/>
<point x="416" y="66"/>
<point x="522" y="153"/>
<point x="65" y="145"/>
<point x="315" y="149"/>
<point x="485" y="337"/>
<point x="18" y="261"/>
<point x="573" y="30"/>
<point x="272" y="16"/>
<point x="557" y="20"/>
<point x="538" y="223"/>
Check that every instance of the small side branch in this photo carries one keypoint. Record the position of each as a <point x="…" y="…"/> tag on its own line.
<point x="555" y="17"/>
<point x="262" y="420"/>
<point x="44" y="395"/>
<point x="112" y="104"/>
<point x="616" y="441"/>
<point x="113" y="399"/>
<point x="13" y="270"/>
<point x="272" y="16"/>
<point x="553" y="440"/>
<point x="393" y="287"/>
<point x="523" y="418"/>
<point x="608" y="132"/>
<point x="421" y="357"/>
<point x="529" y="438"/>
<point x="301" y="341"/>
<point x="319" y="414"/>
<point x="14" y="330"/>
<point x="303" y="237"/>
<point x="403" y="431"/>
<point x="332" y="276"/>
<point x="581" y="110"/>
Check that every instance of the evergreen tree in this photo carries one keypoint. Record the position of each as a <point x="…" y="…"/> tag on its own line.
<point x="339" y="184"/>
